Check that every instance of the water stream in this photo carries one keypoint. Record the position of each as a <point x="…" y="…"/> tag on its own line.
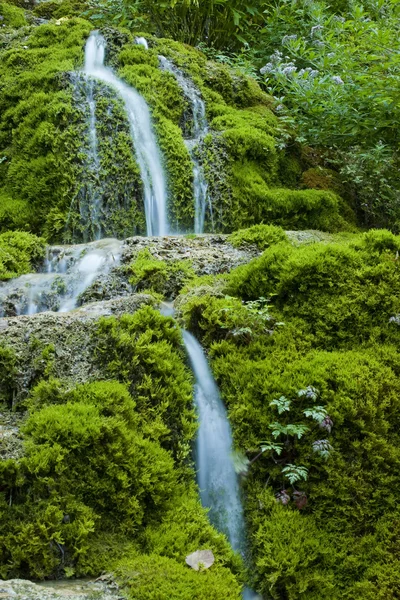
<point x="197" y="130"/>
<point x="144" y="140"/>
<point x="90" y="197"/>
<point x="67" y="272"/>
<point x="217" y="478"/>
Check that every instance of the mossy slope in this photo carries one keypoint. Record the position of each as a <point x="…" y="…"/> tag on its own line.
<point x="45" y="179"/>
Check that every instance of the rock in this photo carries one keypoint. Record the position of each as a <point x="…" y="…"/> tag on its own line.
<point x="71" y="335"/>
<point x="201" y="559"/>
<point x="20" y="589"/>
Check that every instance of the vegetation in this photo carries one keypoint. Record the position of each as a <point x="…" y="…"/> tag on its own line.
<point x="313" y="400"/>
<point x="19" y="253"/>
<point x="302" y="108"/>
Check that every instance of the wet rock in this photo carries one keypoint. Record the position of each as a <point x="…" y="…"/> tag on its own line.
<point x="20" y="589"/>
<point x="70" y="335"/>
<point x="209" y="254"/>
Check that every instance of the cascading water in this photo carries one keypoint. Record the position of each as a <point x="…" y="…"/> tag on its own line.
<point x="90" y="197"/>
<point x="198" y="130"/>
<point x="141" y="41"/>
<point x="217" y="478"/>
<point x="68" y="272"/>
<point x="147" y="151"/>
<point x="216" y="475"/>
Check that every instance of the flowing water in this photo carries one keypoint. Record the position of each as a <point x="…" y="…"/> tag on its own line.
<point x="216" y="475"/>
<point x="141" y="41"/>
<point x="67" y="272"/>
<point x="197" y="130"/>
<point x="217" y="478"/>
<point x="147" y="151"/>
<point x="90" y="197"/>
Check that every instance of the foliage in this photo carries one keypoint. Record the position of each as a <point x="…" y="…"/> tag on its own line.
<point x="219" y="23"/>
<point x="338" y="77"/>
<point x="19" y="253"/>
<point x="167" y="278"/>
<point x="145" y="351"/>
<point x="152" y="576"/>
<point x="261" y="236"/>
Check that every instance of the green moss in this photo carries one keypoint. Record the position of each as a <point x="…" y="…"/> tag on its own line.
<point x="12" y="16"/>
<point x="19" y="253"/>
<point x="58" y="9"/>
<point x="149" y="577"/>
<point x="145" y="351"/>
<point x="14" y="214"/>
<point x="8" y="372"/>
<point x="337" y="307"/>
<point x="261" y="236"/>
<point x="39" y="128"/>
<point x="166" y="278"/>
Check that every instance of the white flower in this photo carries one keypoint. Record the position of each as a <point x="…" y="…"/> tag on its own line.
<point x="319" y="44"/>
<point x="315" y="29"/>
<point x="268" y="68"/>
<point x="289" y="69"/>
<point x="288" y="38"/>
<point x="338" y="80"/>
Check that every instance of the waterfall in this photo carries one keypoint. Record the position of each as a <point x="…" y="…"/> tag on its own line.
<point x="216" y="475"/>
<point x="198" y="130"/>
<point x="217" y="478"/>
<point x="141" y="41"/>
<point x="147" y="152"/>
<point x="90" y="197"/>
<point x="68" y="272"/>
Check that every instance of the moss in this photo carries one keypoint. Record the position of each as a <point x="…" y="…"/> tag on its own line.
<point x="145" y="351"/>
<point x="8" y="372"/>
<point x="12" y="16"/>
<point x="19" y="253"/>
<point x="149" y="577"/>
<point x="14" y="214"/>
<point x="261" y="236"/>
<point x="165" y="278"/>
<point x="58" y="9"/>
<point x="38" y="129"/>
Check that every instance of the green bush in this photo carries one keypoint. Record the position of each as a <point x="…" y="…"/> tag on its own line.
<point x="19" y="253"/>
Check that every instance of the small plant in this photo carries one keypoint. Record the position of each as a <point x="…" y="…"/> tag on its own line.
<point x="283" y="451"/>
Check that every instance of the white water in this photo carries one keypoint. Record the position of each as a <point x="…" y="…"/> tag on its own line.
<point x="141" y="41"/>
<point x="198" y="131"/>
<point x="90" y="197"/>
<point x="217" y="478"/>
<point x="144" y="140"/>
<point x="68" y="272"/>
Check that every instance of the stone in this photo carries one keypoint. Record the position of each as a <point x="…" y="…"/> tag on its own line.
<point x="201" y="559"/>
